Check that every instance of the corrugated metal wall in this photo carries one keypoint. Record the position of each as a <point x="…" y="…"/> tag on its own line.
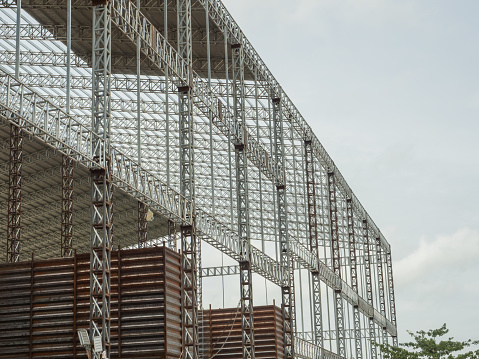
<point x="43" y="303"/>
<point x="222" y="328"/>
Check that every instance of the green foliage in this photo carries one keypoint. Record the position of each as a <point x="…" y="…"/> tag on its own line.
<point x="430" y="345"/>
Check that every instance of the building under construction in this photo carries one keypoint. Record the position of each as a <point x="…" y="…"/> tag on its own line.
<point x="140" y="142"/>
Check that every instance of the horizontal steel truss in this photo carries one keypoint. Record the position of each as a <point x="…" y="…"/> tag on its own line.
<point x="331" y="334"/>
<point x="306" y="350"/>
<point x="59" y="32"/>
<point x="327" y="276"/>
<point x="151" y="84"/>
<point x="62" y="132"/>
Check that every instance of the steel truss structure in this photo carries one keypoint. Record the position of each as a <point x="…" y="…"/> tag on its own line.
<point x="67" y="206"/>
<point x="165" y="106"/>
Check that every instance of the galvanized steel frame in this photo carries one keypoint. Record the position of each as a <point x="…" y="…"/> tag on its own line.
<point x="189" y="268"/>
<point x="14" y="224"/>
<point x="101" y="182"/>
<point x="241" y="166"/>
<point x="209" y="102"/>
<point x="354" y="278"/>
<point x="336" y="258"/>
<point x="142" y="225"/>
<point x="313" y="241"/>
<point x="369" y="289"/>
<point x="287" y="292"/>
<point x="67" y="207"/>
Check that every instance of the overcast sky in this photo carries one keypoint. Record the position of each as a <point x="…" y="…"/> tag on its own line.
<point x="391" y="89"/>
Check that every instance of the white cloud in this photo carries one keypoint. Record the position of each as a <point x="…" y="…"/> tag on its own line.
<point x="456" y="252"/>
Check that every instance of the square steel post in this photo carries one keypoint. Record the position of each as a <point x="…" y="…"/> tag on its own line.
<point x="338" y="298"/>
<point x="246" y="286"/>
<point x="392" y="299"/>
<point x="67" y="207"/>
<point x="369" y="289"/>
<point x="189" y="268"/>
<point x="101" y="184"/>
<point x="380" y="276"/>
<point x="142" y="225"/>
<point x="287" y="291"/>
<point x="14" y="224"/>
<point x="354" y="277"/>
<point x="313" y="241"/>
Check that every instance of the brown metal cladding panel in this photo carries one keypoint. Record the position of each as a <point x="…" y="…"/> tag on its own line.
<point x="223" y="333"/>
<point x="38" y="316"/>
<point x="15" y="290"/>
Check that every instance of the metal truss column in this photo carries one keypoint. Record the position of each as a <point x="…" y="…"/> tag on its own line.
<point x="392" y="300"/>
<point x="354" y="277"/>
<point x="338" y="302"/>
<point x="189" y="268"/>
<point x="101" y="184"/>
<point x="172" y="235"/>
<point x="285" y="259"/>
<point x="369" y="289"/>
<point x="313" y="240"/>
<point x="382" y="299"/>
<point x="14" y="224"/>
<point x="17" y="39"/>
<point x="142" y="225"/>
<point x="246" y="286"/>
<point x="67" y="207"/>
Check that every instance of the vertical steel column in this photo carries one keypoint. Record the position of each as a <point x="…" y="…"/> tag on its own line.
<point x="369" y="288"/>
<point x="382" y="299"/>
<point x="138" y="89"/>
<point x="392" y="300"/>
<point x="338" y="302"/>
<point x="260" y="175"/>
<point x="246" y="286"/>
<point x="14" y="224"/>
<point x="67" y="207"/>
<point x="142" y="225"/>
<point x="17" y="39"/>
<point x="167" y="100"/>
<point x="212" y="175"/>
<point x="285" y="260"/>
<point x="313" y="240"/>
<point x="354" y="277"/>
<point x="69" y="51"/>
<point x="189" y="270"/>
<point x="101" y="185"/>
<point x="172" y="238"/>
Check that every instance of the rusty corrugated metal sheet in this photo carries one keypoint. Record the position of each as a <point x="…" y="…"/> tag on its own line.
<point x="43" y="303"/>
<point x="222" y="328"/>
